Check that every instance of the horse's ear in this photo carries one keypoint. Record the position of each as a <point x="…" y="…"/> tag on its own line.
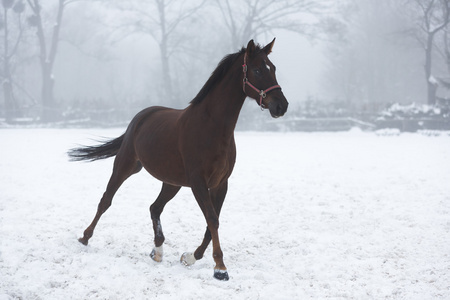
<point x="268" y="48"/>
<point x="251" y="47"/>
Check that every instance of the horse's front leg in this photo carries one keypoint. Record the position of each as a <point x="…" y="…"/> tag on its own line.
<point x="211" y="210"/>
<point x="217" y="197"/>
<point x="167" y="193"/>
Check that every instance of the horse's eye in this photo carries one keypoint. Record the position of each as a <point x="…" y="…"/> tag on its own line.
<point x="257" y="72"/>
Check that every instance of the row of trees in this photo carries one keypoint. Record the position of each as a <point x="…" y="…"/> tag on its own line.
<point x="391" y="51"/>
<point x="101" y="53"/>
<point x="187" y="33"/>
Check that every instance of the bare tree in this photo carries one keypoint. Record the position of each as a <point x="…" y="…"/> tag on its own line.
<point x="434" y="17"/>
<point x="446" y="49"/>
<point x="248" y="19"/>
<point x="377" y="62"/>
<point x="47" y="56"/>
<point x="162" y="20"/>
<point x="17" y="7"/>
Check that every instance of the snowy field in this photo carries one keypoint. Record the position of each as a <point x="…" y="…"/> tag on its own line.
<point x="308" y="216"/>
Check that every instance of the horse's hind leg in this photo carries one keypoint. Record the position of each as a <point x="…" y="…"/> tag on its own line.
<point x="167" y="193"/>
<point x="124" y="167"/>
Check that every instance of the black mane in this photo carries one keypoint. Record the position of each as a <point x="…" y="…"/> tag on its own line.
<point x="222" y="68"/>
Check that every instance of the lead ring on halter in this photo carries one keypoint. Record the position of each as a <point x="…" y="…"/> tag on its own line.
<point x="262" y="93"/>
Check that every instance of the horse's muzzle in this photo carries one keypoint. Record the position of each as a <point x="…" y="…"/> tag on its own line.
<point x="278" y="106"/>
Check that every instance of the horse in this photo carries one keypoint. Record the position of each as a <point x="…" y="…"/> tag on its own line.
<point x="192" y="147"/>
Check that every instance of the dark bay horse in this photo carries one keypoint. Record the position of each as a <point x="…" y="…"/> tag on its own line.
<point x="193" y="147"/>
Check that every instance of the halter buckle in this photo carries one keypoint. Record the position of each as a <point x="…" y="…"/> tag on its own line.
<point x="262" y="94"/>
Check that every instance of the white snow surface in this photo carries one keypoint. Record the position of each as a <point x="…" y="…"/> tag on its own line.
<point x="348" y="215"/>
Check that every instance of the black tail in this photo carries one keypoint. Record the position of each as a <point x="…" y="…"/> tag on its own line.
<point x="91" y="153"/>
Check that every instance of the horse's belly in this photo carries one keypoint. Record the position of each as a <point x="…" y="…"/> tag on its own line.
<point x="163" y="162"/>
<point x="178" y="179"/>
<point x="157" y="150"/>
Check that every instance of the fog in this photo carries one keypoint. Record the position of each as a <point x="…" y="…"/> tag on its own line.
<point x="109" y="59"/>
<point x="134" y="70"/>
<point x="131" y="67"/>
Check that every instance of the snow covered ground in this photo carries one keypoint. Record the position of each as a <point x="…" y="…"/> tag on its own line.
<point x="308" y="216"/>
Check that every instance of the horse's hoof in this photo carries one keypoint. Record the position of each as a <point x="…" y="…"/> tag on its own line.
<point x="157" y="254"/>
<point x="83" y="241"/>
<point x="187" y="259"/>
<point x="221" y="275"/>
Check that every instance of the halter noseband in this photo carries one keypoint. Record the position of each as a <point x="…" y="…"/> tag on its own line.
<point x="262" y="93"/>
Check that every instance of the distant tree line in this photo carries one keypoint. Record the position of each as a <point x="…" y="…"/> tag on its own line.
<point x="62" y="59"/>
<point x="41" y="37"/>
<point x="390" y="51"/>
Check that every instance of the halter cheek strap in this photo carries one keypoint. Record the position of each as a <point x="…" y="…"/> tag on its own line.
<point x="262" y="93"/>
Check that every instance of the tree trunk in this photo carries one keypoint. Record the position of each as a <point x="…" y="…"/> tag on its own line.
<point x="431" y="30"/>
<point x="163" y="46"/>
<point x="167" y="81"/>
<point x="431" y="82"/>
<point x="49" y="112"/>
<point x="10" y="109"/>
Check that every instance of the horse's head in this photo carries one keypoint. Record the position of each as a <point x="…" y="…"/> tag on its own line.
<point x="260" y="82"/>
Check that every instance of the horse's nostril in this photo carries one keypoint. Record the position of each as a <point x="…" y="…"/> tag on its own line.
<point x="279" y="109"/>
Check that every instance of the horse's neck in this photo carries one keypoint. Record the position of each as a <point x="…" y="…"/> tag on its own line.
<point x="224" y="103"/>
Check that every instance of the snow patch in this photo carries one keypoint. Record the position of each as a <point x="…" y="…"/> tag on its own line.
<point x="308" y="216"/>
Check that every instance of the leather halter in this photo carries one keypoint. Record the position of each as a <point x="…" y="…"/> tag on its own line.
<point x="262" y="93"/>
